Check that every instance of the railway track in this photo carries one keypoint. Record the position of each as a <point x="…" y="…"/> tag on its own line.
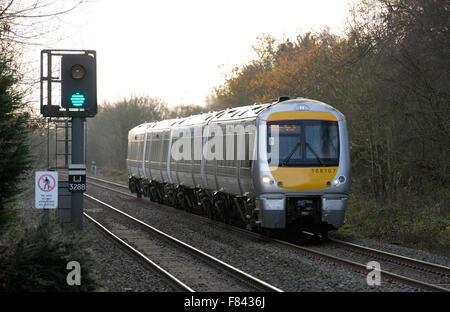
<point x="172" y="280"/>
<point x="394" y="258"/>
<point x="188" y="264"/>
<point x="362" y="268"/>
<point x="374" y="254"/>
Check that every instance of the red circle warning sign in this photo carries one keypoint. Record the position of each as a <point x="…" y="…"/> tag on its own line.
<point x="46" y="183"/>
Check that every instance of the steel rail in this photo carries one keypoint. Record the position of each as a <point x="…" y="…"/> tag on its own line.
<point x="106" y="181"/>
<point x="363" y="269"/>
<point x="111" y="189"/>
<point x="172" y="279"/>
<point x="423" y="265"/>
<point x="356" y="266"/>
<point x="255" y="282"/>
<point x="391" y="257"/>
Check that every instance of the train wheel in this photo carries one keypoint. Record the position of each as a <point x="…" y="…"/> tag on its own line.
<point x="207" y="212"/>
<point x="188" y="202"/>
<point x="316" y="235"/>
<point x="219" y="214"/>
<point x="268" y="232"/>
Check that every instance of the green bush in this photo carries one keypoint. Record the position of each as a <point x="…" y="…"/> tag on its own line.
<point x="413" y="220"/>
<point x="14" y="149"/>
<point x="38" y="262"/>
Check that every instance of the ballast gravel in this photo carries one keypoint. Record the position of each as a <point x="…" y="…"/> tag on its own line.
<point x="118" y="270"/>
<point x="396" y="249"/>
<point x="285" y="269"/>
<point x="197" y="273"/>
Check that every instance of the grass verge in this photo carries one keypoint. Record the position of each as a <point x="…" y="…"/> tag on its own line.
<point x="413" y="220"/>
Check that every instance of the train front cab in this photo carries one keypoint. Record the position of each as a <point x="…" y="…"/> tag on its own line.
<point x="306" y="186"/>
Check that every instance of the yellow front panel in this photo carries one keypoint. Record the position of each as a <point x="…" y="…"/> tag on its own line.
<point x="302" y="115"/>
<point x="301" y="179"/>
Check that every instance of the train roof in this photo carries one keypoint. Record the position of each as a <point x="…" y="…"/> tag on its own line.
<point x="192" y="120"/>
<point x="240" y="113"/>
<point x="237" y="113"/>
<point x="141" y="128"/>
<point x="248" y="112"/>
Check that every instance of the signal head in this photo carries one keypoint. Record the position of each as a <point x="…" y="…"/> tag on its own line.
<point x="78" y="84"/>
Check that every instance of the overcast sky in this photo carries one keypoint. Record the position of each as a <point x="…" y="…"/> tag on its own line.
<point x="179" y="50"/>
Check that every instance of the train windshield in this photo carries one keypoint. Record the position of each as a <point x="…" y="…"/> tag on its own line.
<point x="303" y="143"/>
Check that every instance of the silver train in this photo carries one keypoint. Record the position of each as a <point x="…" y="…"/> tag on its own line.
<point x="283" y="166"/>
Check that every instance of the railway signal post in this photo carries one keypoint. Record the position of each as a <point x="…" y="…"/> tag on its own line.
<point x="77" y="86"/>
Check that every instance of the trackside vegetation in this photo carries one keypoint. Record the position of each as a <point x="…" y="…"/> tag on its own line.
<point x="389" y="76"/>
<point x="38" y="262"/>
<point x="14" y="150"/>
<point x="32" y="258"/>
<point x="388" y="73"/>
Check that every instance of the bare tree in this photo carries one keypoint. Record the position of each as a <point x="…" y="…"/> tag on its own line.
<point x="28" y="22"/>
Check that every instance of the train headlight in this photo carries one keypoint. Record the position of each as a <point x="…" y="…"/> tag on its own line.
<point x="339" y="180"/>
<point x="266" y="180"/>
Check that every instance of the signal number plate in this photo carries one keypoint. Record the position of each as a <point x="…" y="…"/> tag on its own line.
<point x="77" y="183"/>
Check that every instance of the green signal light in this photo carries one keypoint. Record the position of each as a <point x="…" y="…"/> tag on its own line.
<point x="77" y="99"/>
